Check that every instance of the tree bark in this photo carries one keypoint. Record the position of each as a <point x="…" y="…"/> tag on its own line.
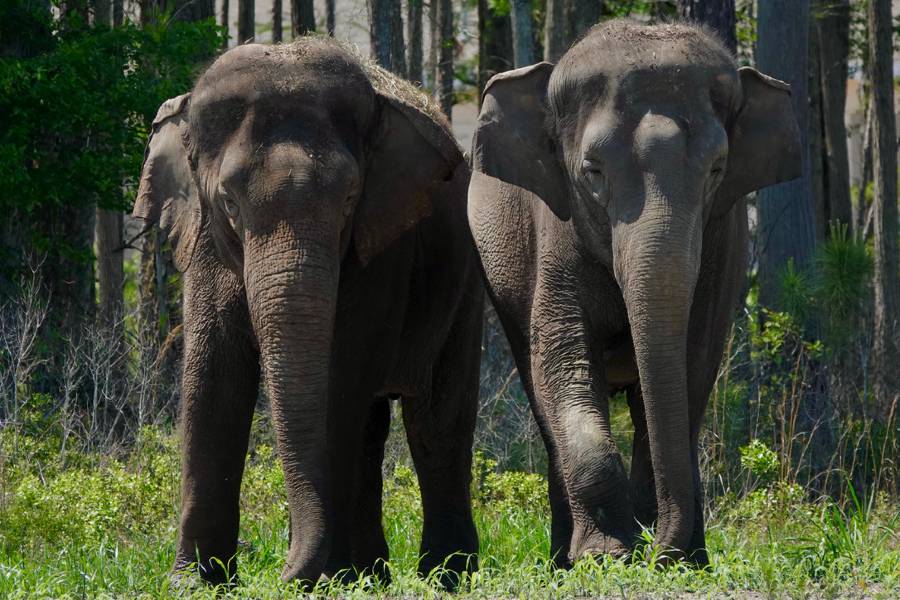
<point x="102" y="12"/>
<point x="583" y="14"/>
<point x="414" y="38"/>
<point x="523" y="36"/>
<point x="494" y="44"/>
<point x="833" y="30"/>
<point x="118" y="12"/>
<point x="386" y="34"/>
<point x="433" y="47"/>
<point x="277" y="33"/>
<point x="716" y="14"/>
<point x="555" y="39"/>
<point x="329" y="16"/>
<point x="303" y="18"/>
<point x="884" y="177"/>
<point x="785" y="230"/>
<point x="246" y="21"/>
<point x="225" y="24"/>
<point x="110" y="264"/>
<point x="445" y="56"/>
<point x="817" y="168"/>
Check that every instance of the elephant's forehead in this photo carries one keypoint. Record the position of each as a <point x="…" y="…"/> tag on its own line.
<point x="252" y="73"/>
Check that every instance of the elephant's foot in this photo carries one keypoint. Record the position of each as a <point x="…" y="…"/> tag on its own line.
<point x="449" y="547"/>
<point x="193" y="570"/>
<point x="596" y="543"/>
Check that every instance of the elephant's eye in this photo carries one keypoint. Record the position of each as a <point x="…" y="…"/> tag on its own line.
<point x="228" y="203"/>
<point x="591" y="168"/>
<point x="717" y="172"/>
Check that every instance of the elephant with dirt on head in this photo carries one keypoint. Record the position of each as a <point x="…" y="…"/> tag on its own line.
<point x="607" y="205"/>
<point x="316" y="206"/>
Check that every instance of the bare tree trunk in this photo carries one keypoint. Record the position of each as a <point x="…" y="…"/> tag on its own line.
<point x="582" y="15"/>
<point x="414" y="38"/>
<point x="398" y="48"/>
<point x="102" y="12"/>
<point x="110" y="264"/>
<point x="884" y="177"/>
<point x="523" y="36"/>
<point x="817" y="168"/>
<point x="555" y="26"/>
<point x="445" y="56"/>
<point x="277" y="33"/>
<point x="118" y="12"/>
<point x="494" y="44"/>
<point x="861" y="207"/>
<point x="225" y="23"/>
<point x="434" y="45"/>
<point x="833" y="31"/>
<point x="785" y="230"/>
<point x="386" y="34"/>
<point x="717" y="14"/>
<point x="246" y="21"/>
<point x="303" y="18"/>
<point x="329" y="17"/>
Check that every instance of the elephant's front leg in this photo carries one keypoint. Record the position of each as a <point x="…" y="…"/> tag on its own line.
<point x="218" y="393"/>
<point x="573" y="391"/>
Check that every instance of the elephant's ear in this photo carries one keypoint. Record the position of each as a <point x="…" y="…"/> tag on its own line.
<point x="167" y="195"/>
<point x="410" y="154"/>
<point x="512" y="142"/>
<point x="764" y="145"/>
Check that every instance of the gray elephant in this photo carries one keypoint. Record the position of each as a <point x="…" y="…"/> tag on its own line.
<point x="316" y="206"/>
<point x="607" y="204"/>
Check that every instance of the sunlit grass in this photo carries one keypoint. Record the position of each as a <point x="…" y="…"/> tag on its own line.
<point x="59" y="540"/>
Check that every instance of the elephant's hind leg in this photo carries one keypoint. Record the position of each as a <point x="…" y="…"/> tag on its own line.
<point x="219" y="388"/>
<point x="440" y="429"/>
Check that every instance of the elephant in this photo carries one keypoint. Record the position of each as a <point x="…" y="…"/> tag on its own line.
<point x="316" y="207"/>
<point x="607" y="203"/>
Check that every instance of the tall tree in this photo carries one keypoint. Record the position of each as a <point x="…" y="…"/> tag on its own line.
<point x="303" y="17"/>
<point x="884" y="177"/>
<point x="118" y="12"/>
<point x="329" y="17"/>
<point x="414" y="40"/>
<point x="277" y="33"/>
<point x="582" y="15"/>
<point x="102" y="10"/>
<point x="555" y="30"/>
<point x="246" y="21"/>
<point x="447" y="45"/>
<point x="785" y="228"/>
<point x="717" y="14"/>
<point x="386" y="34"/>
<point x="226" y="25"/>
<point x="522" y="31"/>
<point x="830" y="41"/>
<point x="494" y="43"/>
<point x="435" y="39"/>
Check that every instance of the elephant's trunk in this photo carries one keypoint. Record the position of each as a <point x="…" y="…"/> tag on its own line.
<point x="292" y="278"/>
<point x="657" y="266"/>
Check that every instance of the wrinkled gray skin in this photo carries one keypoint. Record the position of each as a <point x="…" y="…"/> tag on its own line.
<point x="324" y="248"/>
<point x="607" y="204"/>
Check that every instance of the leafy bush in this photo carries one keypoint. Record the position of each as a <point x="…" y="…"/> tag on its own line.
<point x="760" y="461"/>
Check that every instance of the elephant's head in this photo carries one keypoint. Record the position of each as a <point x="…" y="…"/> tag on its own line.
<point x="643" y="136"/>
<point x="292" y="162"/>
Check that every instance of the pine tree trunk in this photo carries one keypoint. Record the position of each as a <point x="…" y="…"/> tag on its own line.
<point x="523" y="36"/>
<point x="303" y="18"/>
<point x="246" y="21"/>
<point x="884" y="177"/>
<point x="329" y="17"/>
<point x="447" y="45"/>
<point x="110" y="264"/>
<point x="414" y="37"/>
<point x="785" y="229"/>
<point x="583" y="14"/>
<point x="277" y="32"/>
<point x="555" y="27"/>
<point x="833" y="29"/>
<point x="718" y="15"/>
<point x="224" y="23"/>
<point x="386" y="34"/>
<point x="494" y="44"/>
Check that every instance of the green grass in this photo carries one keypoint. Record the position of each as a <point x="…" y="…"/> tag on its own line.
<point x="88" y="526"/>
